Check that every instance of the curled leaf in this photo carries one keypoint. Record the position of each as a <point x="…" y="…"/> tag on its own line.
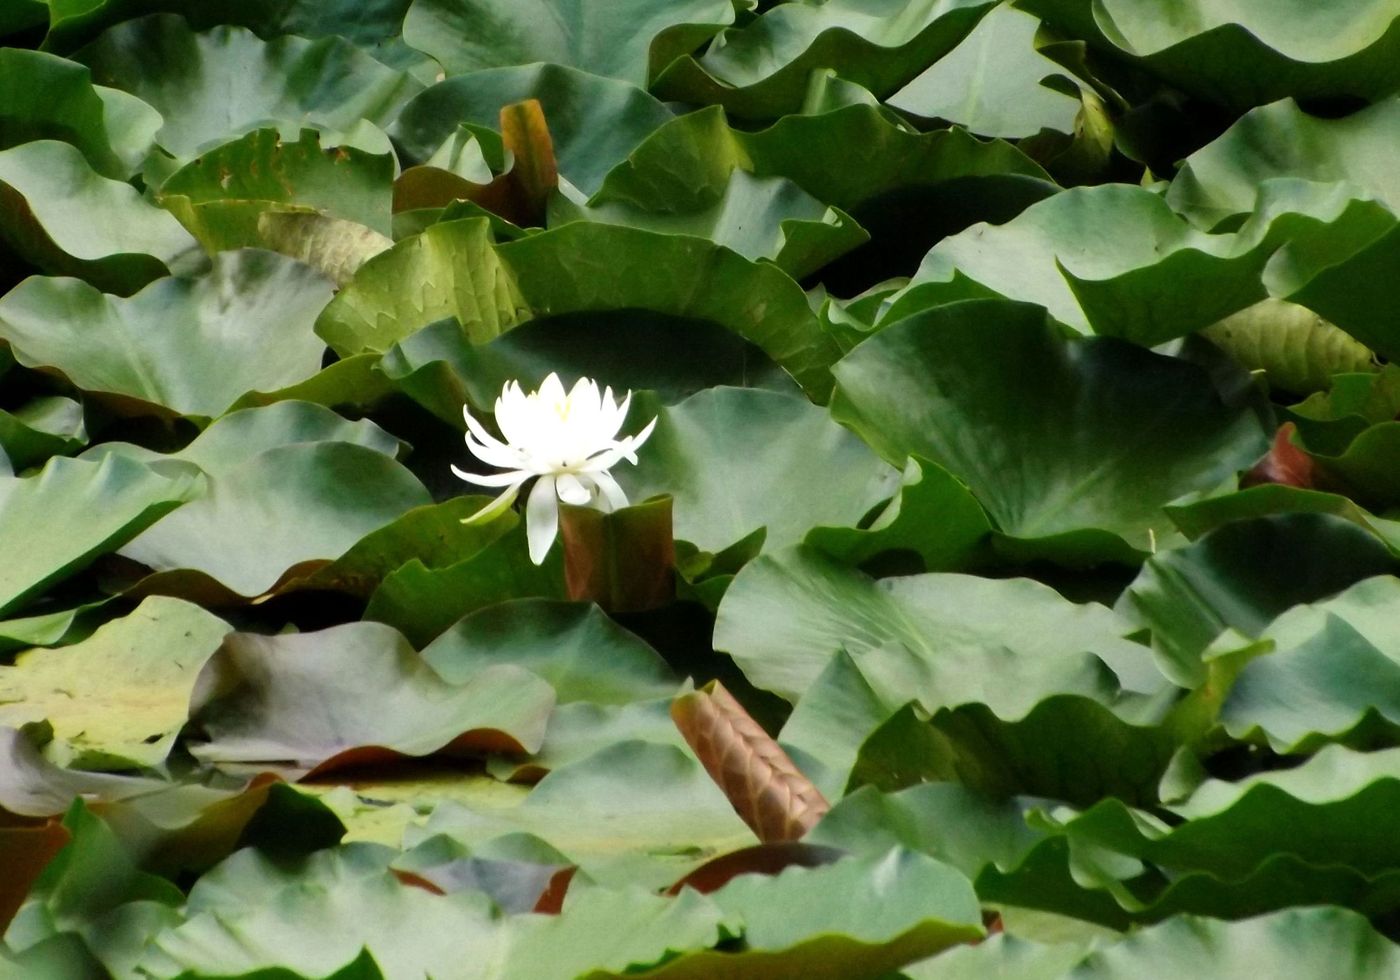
<point x="764" y="786"/>
<point x="1285" y="463"/>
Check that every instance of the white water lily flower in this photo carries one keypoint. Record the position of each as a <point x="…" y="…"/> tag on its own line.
<point x="569" y="441"/>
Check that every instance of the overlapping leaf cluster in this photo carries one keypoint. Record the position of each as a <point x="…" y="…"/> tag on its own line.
<point x="1027" y="428"/>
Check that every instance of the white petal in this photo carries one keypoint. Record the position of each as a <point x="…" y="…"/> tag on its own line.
<point x="642" y="436"/>
<point x="551" y="390"/>
<point x="494" y="507"/>
<point x="541" y="518"/>
<point x="492" y="480"/>
<point x="612" y="493"/>
<point x="502" y="457"/>
<point x="479" y="431"/>
<point x="571" y="490"/>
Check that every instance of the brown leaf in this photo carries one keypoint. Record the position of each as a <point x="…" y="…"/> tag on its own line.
<point x="1285" y="464"/>
<point x="536" y="173"/>
<point x="761" y="859"/>
<point x="518" y="195"/>
<point x="24" y="852"/>
<point x="551" y="900"/>
<point x="623" y="561"/>
<point x="765" y="788"/>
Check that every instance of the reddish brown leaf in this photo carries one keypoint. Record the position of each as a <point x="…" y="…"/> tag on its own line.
<point x="761" y="859"/>
<point x="24" y="852"/>
<point x="414" y="880"/>
<point x="535" y="174"/>
<point x="518" y="195"/>
<point x="468" y="745"/>
<point x="552" y="898"/>
<point x="1285" y="464"/>
<point x="623" y="561"/>
<point x="763" y="785"/>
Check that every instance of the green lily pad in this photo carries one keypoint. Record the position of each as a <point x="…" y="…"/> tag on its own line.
<point x="758" y="217"/>
<point x="201" y="85"/>
<point x="186" y="346"/>
<point x="735" y="460"/>
<point x="848" y="158"/>
<point x="603" y="37"/>
<point x="422" y="602"/>
<point x="50" y="98"/>
<point x="1241" y="576"/>
<point x="786" y="613"/>
<point x="235" y="438"/>
<point x="251" y="914"/>
<point x="293" y="699"/>
<point x="221" y="195"/>
<point x="761" y="70"/>
<point x="1200" y="516"/>
<point x="1116" y="260"/>
<point x="491" y="288"/>
<point x="1068" y="747"/>
<point x="1244" y="54"/>
<point x="1072" y="446"/>
<point x="798" y="922"/>
<point x="117" y="699"/>
<point x="61" y="215"/>
<point x="594" y="122"/>
<point x="633" y="813"/>
<point x="1288" y="942"/>
<point x="435" y="535"/>
<point x="236" y="533"/>
<point x="582" y="653"/>
<point x="1296" y="349"/>
<point x="627" y="349"/>
<point x="1222" y="179"/>
<point x="934" y="515"/>
<point x="55" y="523"/>
<point x="1326" y="677"/>
<point x="47" y="426"/>
<point x="993" y="82"/>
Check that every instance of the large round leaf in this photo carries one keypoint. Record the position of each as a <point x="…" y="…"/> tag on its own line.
<point x="736" y="460"/>
<point x="252" y="914"/>
<point x="628" y="349"/>
<point x="333" y="494"/>
<point x="1334" y="666"/>
<point x="1117" y="260"/>
<point x="761" y="70"/>
<point x="1326" y="941"/>
<point x="1055" y="437"/>
<point x="844" y="158"/>
<point x="313" y="699"/>
<point x="221" y="195"/>
<point x="856" y="918"/>
<point x="60" y="214"/>
<point x="760" y="218"/>
<point x="787" y="613"/>
<point x="582" y="653"/>
<point x="44" y="97"/>
<point x="117" y="699"/>
<point x="633" y="813"/>
<point x="991" y="83"/>
<point x="604" y="37"/>
<point x="57" y="522"/>
<point x="594" y="123"/>
<point x="1281" y="140"/>
<point x="1242" y="53"/>
<point x="188" y="346"/>
<point x="202" y="86"/>
<point x="1243" y="575"/>
<point x="455" y="270"/>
